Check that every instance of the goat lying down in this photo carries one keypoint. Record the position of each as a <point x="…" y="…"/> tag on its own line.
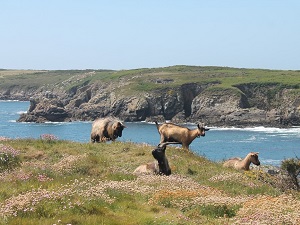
<point x="106" y="129"/>
<point x="149" y="168"/>
<point x="160" y="167"/>
<point x="243" y="164"/>
<point x="170" y="132"/>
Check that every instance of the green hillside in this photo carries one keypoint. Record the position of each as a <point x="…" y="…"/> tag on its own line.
<point x="149" y="79"/>
<point x="47" y="181"/>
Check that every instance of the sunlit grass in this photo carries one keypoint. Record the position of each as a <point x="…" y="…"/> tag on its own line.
<point x="137" y="81"/>
<point x="62" y="182"/>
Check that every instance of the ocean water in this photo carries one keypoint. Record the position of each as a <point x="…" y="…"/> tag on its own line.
<point x="273" y="144"/>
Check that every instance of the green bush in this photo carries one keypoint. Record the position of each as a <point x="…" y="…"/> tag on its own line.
<point x="214" y="211"/>
<point x="9" y="158"/>
<point x="292" y="167"/>
<point x="49" y="137"/>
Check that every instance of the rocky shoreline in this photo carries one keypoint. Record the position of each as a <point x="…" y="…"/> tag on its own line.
<point x="188" y="103"/>
<point x="179" y="94"/>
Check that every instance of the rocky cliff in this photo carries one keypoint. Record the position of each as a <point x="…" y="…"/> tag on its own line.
<point x="245" y="104"/>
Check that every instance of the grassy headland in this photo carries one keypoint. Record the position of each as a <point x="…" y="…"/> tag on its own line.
<point x="147" y="79"/>
<point x="59" y="182"/>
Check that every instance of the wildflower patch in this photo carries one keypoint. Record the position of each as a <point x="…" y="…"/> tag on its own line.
<point x="9" y="158"/>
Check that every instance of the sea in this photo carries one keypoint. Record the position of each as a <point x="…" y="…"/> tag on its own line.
<point x="273" y="144"/>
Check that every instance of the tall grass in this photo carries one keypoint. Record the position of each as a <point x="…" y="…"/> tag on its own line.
<point x="61" y="182"/>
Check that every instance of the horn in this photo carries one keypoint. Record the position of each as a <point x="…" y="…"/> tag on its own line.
<point x="162" y="145"/>
<point x="122" y="124"/>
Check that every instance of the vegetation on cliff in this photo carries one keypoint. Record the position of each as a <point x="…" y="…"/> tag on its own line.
<point x="150" y="79"/>
<point x="48" y="181"/>
<point x="219" y="96"/>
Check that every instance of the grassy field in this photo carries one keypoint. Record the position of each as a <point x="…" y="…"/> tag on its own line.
<point x="48" y="181"/>
<point x="139" y="80"/>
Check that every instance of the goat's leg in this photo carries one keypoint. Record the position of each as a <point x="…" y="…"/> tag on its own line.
<point x="185" y="146"/>
<point x="102" y="139"/>
<point x="162" y="139"/>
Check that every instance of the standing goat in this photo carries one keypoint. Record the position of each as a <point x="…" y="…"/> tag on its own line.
<point x="170" y="132"/>
<point x="243" y="164"/>
<point x="104" y="129"/>
<point x="159" y="154"/>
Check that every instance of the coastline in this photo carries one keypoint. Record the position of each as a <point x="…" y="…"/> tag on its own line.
<point x="185" y="123"/>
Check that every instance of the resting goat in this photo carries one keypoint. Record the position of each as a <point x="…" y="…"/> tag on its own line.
<point x="243" y="164"/>
<point x="170" y="132"/>
<point x="162" y="167"/>
<point x="105" y="129"/>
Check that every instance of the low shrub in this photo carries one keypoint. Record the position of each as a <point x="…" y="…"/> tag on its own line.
<point x="216" y="211"/>
<point x="9" y="158"/>
<point x="213" y="211"/>
<point x="292" y="167"/>
<point x="49" y="137"/>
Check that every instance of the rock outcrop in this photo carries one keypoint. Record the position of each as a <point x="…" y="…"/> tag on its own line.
<point x="179" y="93"/>
<point x="245" y="105"/>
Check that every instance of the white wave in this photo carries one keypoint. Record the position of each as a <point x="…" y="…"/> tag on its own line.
<point x="53" y="122"/>
<point x="67" y="123"/>
<point x="253" y="138"/>
<point x="13" y="101"/>
<point x="56" y="123"/>
<point x="9" y="101"/>
<point x="21" y="112"/>
<point x="225" y="128"/>
<point x="271" y="130"/>
<point x="275" y="162"/>
<point x="142" y="122"/>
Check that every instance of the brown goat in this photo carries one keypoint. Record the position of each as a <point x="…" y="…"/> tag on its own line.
<point x="105" y="129"/>
<point x="149" y="168"/>
<point x="243" y="164"/>
<point x="170" y="132"/>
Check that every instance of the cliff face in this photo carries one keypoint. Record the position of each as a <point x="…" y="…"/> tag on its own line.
<point x="244" y="105"/>
<point x="216" y="96"/>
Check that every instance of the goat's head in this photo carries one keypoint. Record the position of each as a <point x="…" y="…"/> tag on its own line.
<point x="159" y="154"/>
<point x="254" y="158"/>
<point x="118" y="129"/>
<point x="163" y="164"/>
<point x="202" y="129"/>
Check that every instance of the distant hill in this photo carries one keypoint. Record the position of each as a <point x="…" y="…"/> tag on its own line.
<point x="219" y="96"/>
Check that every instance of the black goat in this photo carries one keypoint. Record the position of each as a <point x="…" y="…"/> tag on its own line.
<point x="159" y="154"/>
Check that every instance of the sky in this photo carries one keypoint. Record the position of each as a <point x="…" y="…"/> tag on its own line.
<point x="131" y="34"/>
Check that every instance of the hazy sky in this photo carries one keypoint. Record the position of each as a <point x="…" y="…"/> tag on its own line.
<point x="129" y="34"/>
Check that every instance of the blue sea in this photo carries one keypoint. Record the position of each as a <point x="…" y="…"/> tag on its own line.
<point x="273" y="144"/>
